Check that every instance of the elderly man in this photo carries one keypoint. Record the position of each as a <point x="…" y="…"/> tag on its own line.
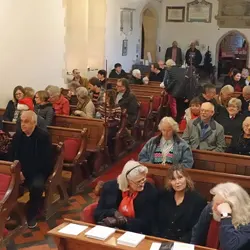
<point x="225" y="95"/>
<point x="245" y="99"/>
<point x="33" y="148"/>
<point x="204" y="132"/>
<point x="193" y="55"/>
<point x="174" y="53"/>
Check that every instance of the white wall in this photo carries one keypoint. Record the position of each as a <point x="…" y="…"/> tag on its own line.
<point x="31" y="46"/>
<point x="113" y="46"/>
<point x="207" y="33"/>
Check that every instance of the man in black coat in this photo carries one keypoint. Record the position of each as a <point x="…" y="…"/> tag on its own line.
<point x="245" y="99"/>
<point x="156" y="74"/>
<point x="33" y="148"/>
<point x="174" y="53"/>
<point x="118" y="72"/>
<point x="194" y="55"/>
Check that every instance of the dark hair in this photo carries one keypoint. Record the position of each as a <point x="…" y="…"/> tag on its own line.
<point x="73" y="71"/>
<point x="195" y="100"/>
<point x="208" y="86"/>
<point x="156" y="65"/>
<point x="124" y="83"/>
<point x="180" y="171"/>
<point x="117" y="65"/>
<point x="102" y="72"/>
<point x="235" y="72"/>
<point x="95" y="82"/>
<point x="43" y="95"/>
<point x="111" y="94"/>
<point x="19" y="87"/>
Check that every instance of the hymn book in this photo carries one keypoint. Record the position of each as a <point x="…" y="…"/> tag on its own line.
<point x="100" y="232"/>
<point x="73" y="229"/>
<point x="130" y="239"/>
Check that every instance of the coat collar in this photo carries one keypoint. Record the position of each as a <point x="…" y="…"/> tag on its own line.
<point x="211" y="123"/>
<point x="176" y="138"/>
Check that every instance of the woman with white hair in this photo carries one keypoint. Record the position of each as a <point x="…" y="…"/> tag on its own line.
<point x="128" y="202"/>
<point x="225" y="222"/>
<point x="230" y="118"/>
<point x="225" y="95"/>
<point x="168" y="147"/>
<point x="136" y="77"/>
<point x="85" y="107"/>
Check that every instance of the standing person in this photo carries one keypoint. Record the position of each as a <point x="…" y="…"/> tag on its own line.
<point x="174" y="53"/>
<point x="118" y="72"/>
<point x="32" y="147"/>
<point x="193" y="55"/>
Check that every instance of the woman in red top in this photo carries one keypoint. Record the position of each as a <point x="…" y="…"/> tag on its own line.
<point x="234" y="81"/>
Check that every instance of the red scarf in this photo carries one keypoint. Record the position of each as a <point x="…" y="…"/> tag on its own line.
<point x="126" y="207"/>
<point x="213" y="240"/>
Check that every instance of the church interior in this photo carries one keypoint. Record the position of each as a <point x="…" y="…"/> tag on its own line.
<point x="90" y="54"/>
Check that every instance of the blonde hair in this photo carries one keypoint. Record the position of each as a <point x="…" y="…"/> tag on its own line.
<point x="235" y="101"/>
<point x="170" y="63"/>
<point x="171" y="122"/>
<point x="237" y="198"/>
<point x="29" y="92"/>
<point x="227" y="88"/>
<point x="130" y="170"/>
<point x="247" y="119"/>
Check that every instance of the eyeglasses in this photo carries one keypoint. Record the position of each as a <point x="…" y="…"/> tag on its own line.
<point x="118" y="86"/>
<point x="140" y="182"/>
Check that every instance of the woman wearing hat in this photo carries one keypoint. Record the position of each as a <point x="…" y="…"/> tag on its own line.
<point x="128" y="202"/>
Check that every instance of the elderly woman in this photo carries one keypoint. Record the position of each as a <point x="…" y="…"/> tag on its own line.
<point x="59" y="102"/>
<point x="225" y="222"/>
<point x="240" y="143"/>
<point x="128" y="202"/>
<point x="168" y="147"/>
<point x="179" y="206"/>
<point x="245" y="77"/>
<point x="85" y="107"/>
<point x="225" y="95"/>
<point x="230" y="118"/>
<point x="136" y="77"/>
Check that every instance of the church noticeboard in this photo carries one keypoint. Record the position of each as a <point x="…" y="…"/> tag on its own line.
<point x="199" y="11"/>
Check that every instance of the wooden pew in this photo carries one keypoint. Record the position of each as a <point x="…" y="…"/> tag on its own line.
<point x="72" y="242"/>
<point x="2" y="112"/>
<point x="77" y="165"/>
<point x="204" y="180"/>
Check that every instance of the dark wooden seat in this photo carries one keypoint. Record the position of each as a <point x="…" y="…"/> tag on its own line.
<point x="2" y="112"/>
<point x="237" y="94"/>
<point x="9" y="182"/>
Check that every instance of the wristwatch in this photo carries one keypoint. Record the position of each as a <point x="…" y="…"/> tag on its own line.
<point x="225" y="215"/>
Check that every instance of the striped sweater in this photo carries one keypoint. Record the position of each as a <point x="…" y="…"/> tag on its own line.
<point x="113" y="115"/>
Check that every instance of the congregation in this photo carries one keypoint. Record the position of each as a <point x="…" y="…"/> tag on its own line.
<point x="186" y="119"/>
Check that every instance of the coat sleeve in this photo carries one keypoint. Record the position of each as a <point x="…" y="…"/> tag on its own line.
<point x="233" y="145"/>
<point x="145" y="154"/>
<point x="66" y="108"/>
<point x="181" y="59"/>
<point x="221" y="143"/>
<point x="187" y="157"/>
<point x="49" y="117"/>
<point x="231" y="238"/>
<point x="186" y="133"/>
<point x="9" y="111"/>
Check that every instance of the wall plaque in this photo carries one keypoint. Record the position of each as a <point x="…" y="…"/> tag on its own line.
<point x="199" y="11"/>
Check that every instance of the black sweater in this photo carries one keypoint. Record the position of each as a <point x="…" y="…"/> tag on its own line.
<point x="9" y="111"/>
<point x="46" y="111"/>
<point x="33" y="152"/>
<point x="176" y="222"/>
<point x="144" y="206"/>
<point x="239" y="145"/>
<point x="113" y="74"/>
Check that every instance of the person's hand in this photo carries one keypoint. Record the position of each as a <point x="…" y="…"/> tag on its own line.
<point x="121" y="219"/>
<point x="77" y="112"/>
<point x="22" y="178"/>
<point x="224" y="208"/>
<point x="110" y="221"/>
<point x="186" y="100"/>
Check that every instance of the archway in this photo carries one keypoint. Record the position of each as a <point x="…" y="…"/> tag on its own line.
<point x="149" y="33"/>
<point x="230" y="52"/>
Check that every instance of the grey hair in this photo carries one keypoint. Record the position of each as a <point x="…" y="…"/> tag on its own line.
<point x="135" y="72"/>
<point x="54" y="91"/>
<point x="237" y="198"/>
<point x="170" y="63"/>
<point x="170" y="121"/>
<point x="31" y="114"/>
<point x="247" y="119"/>
<point x="227" y="88"/>
<point x="246" y="89"/>
<point x="130" y="170"/>
<point x="235" y="101"/>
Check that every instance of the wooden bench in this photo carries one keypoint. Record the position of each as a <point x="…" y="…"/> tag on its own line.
<point x="2" y="112"/>
<point x="204" y="180"/>
<point x="76" y="165"/>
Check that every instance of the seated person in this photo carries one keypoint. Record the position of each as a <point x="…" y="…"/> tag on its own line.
<point x="128" y="202"/>
<point x="179" y="206"/>
<point x="29" y="92"/>
<point x="244" y="77"/>
<point x="208" y="94"/>
<point x="85" y="107"/>
<point x="168" y="147"/>
<point x="32" y="147"/>
<point x="113" y="117"/>
<point x="156" y="74"/>
<point x="225" y="222"/>
<point x="73" y="85"/>
<point x="245" y="99"/>
<point x="18" y="94"/>
<point x="43" y="107"/>
<point x="25" y="103"/>
<point x="83" y="82"/>
<point x="96" y="91"/>
<point x="240" y="143"/>
<point x="230" y="118"/>
<point x="234" y="80"/>
<point x="118" y="72"/>
<point x="136" y="77"/>
<point x="225" y="95"/>
<point x="59" y="102"/>
<point x="191" y="113"/>
<point x="101" y="75"/>
<point x="204" y="132"/>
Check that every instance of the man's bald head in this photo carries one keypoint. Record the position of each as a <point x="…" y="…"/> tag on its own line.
<point x="246" y="126"/>
<point x="28" y="122"/>
<point x="207" y="111"/>
<point x="246" y="93"/>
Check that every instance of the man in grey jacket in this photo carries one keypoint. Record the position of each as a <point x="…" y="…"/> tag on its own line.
<point x="204" y="132"/>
